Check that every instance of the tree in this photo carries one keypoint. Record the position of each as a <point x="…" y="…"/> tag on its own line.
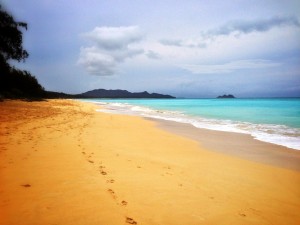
<point x="15" y="83"/>
<point x="11" y="38"/>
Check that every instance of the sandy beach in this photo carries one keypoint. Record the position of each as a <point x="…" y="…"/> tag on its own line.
<point x="63" y="163"/>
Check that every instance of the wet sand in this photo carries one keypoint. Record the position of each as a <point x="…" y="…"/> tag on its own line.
<point x="63" y="163"/>
<point x="235" y="144"/>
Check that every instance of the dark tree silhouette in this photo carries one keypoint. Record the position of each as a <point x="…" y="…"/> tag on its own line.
<point x="11" y="37"/>
<point x="15" y="83"/>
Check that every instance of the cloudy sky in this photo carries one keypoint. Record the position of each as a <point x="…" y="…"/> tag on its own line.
<point x="187" y="48"/>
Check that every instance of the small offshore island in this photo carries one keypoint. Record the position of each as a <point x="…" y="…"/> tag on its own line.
<point x="226" y="96"/>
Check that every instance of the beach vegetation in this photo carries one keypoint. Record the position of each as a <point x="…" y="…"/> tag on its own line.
<point x="11" y="38"/>
<point x="15" y="83"/>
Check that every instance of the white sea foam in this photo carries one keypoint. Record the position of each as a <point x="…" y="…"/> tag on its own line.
<point x="271" y="133"/>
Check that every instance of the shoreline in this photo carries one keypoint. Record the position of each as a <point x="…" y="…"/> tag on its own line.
<point x="240" y="145"/>
<point x="61" y="162"/>
<point x="278" y="134"/>
<point x="235" y="144"/>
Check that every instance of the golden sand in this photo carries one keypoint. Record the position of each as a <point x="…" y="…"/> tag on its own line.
<point x="63" y="163"/>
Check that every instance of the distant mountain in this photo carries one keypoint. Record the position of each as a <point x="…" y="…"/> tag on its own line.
<point x="226" y="96"/>
<point x="102" y="93"/>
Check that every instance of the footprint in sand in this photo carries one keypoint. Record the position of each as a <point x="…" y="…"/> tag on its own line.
<point x="110" y="181"/>
<point x="112" y="193"/>
<point x="124" y="203"/>
<point x="26" y="185"/>
<point x="103" y="172"/>
<point x="130" y="220"/>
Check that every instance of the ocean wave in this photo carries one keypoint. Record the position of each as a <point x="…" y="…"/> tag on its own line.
<point x="271" y="133"/>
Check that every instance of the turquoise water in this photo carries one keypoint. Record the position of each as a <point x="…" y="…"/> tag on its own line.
<point x="274" y="120"/>
<point x="271" y="111"/>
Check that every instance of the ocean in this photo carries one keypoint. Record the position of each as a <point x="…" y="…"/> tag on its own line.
<point x="273" y="120"/>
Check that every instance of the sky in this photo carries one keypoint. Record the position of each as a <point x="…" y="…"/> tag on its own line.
<point x="186" y="48"/>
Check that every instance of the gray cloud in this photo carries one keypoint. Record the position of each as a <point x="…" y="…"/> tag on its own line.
<point x="233" y="27"/>
<point x="188" y="43"/>
<point x="229" y="67"/>
<point x="153" y="55"/>
<point x="110" y="46"/>
<point x="245" y="27"/>
<point x="171" y="42"/>
<point x="96" y="62"/>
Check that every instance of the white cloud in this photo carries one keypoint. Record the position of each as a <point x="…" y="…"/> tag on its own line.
<point x="229" y="67"/>
<point x="110" y="46"/>
<point x="112" y="38"/>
